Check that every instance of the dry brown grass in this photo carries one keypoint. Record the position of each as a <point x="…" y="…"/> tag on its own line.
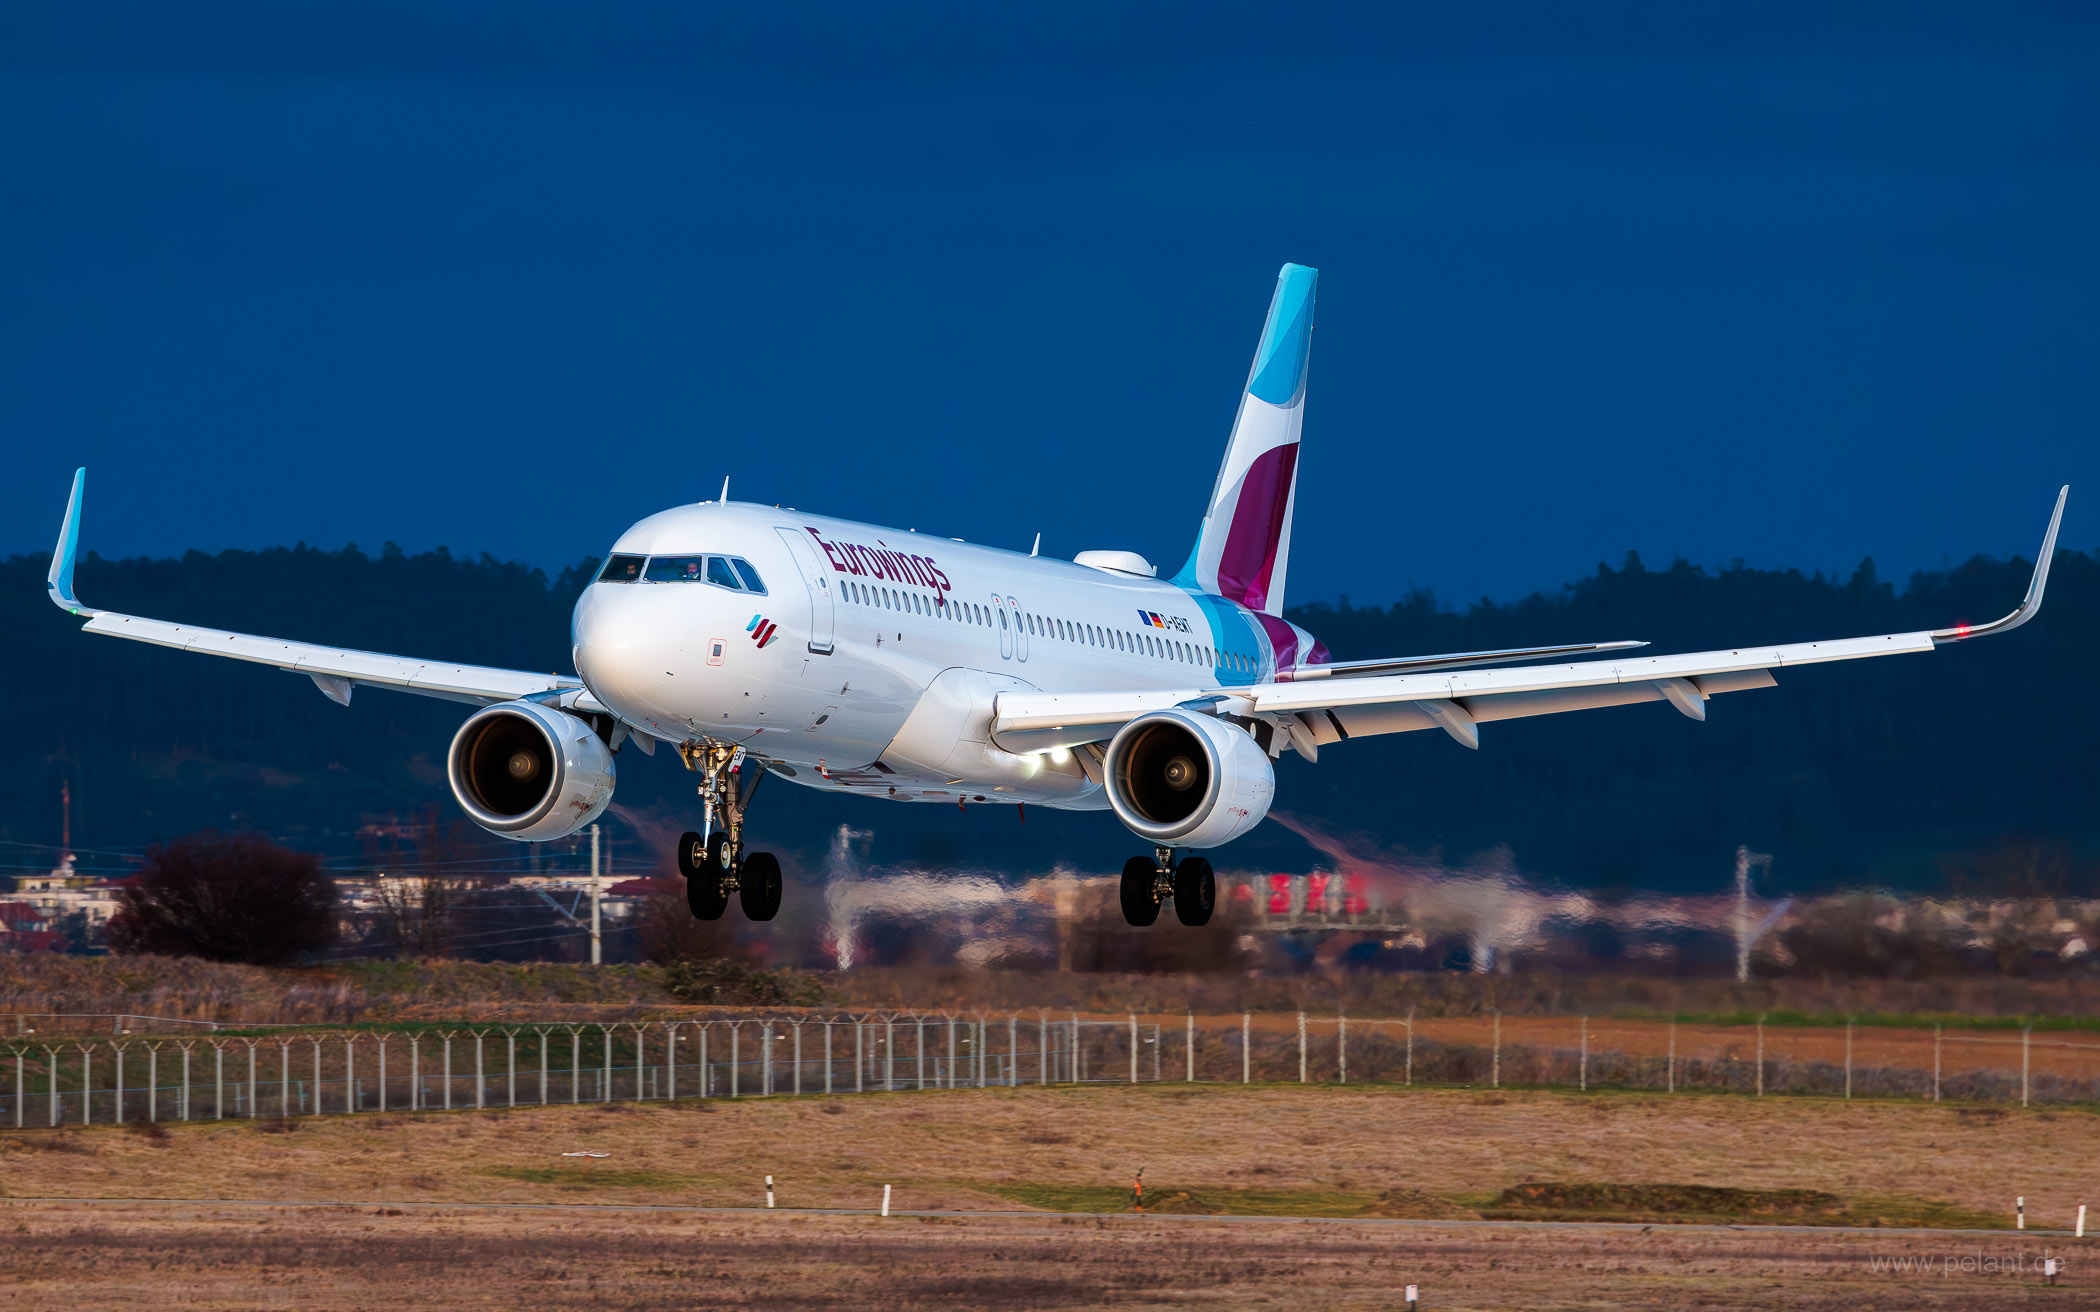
<point x="971" y="1148"/>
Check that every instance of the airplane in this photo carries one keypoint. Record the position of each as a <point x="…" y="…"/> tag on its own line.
<point x="884" y="662"/>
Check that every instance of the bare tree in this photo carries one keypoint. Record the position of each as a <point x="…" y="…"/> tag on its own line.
<point x="427" y="871"/>
<point x="224" y="897"/>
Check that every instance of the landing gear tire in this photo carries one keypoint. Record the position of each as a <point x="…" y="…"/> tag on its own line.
<point x="758" y="886"/>
<point x="1195" y="891"/>
<point x="692" y="854"/>
<point x="720" y="859"/>
<point x="1140" y="896"/>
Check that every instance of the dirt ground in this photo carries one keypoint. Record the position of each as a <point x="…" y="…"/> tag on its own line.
<point x="131" y="1256"/>
<point x="1313" y="1148"/>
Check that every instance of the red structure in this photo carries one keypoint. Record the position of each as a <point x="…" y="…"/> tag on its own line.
<point x="23" y="928"/>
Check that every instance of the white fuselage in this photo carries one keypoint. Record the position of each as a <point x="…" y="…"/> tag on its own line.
<point x="870" y="661"/>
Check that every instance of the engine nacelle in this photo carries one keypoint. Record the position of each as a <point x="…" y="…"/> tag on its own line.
<point x="1188" y="780"/>
<point x="530" y="772"/>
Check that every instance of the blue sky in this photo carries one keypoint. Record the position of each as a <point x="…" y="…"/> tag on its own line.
<point x="1792" y="284"/>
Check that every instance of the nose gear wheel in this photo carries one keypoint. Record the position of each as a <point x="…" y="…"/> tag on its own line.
<point x="713" y="861"/>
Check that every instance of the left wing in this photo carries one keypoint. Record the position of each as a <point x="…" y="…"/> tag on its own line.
<point x="1310" y="715"/>
<point x="336" y="671"/>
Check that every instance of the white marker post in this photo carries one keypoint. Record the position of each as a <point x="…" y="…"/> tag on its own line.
<point x="885" y="1200"/>
<point x="2020" y="1212"/>
<point x="769" y="1191"/>
<point x="1411" y="1295"/>
<point x="2081" y="1220"/>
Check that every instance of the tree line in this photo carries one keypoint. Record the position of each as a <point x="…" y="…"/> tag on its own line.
<point x="1877" y="772"/>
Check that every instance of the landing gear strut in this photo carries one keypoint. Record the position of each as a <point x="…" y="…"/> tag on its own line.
<point x="713" y="861"/>
<point x="1149" y="882"/>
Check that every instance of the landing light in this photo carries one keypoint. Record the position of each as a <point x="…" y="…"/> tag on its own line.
<point x="1059" y="755"/>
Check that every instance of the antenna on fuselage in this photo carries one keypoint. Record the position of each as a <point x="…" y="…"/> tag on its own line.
<point x="1038" y="545"/>
<point x="725" y="489"/>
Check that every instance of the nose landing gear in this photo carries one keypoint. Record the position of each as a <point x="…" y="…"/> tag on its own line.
<point x="713" y="861"/>
<point x="1148" y="883"/>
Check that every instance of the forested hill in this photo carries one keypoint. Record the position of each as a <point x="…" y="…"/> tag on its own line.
<point x="1876" y="771"/>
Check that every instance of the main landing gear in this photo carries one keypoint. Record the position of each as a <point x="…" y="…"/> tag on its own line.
<point x="1150" y="881"/>
<point x="714" y="862"/>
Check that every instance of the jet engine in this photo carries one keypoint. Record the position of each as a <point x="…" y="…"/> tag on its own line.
<point x="1186" y="780"/>
<point x="530" y="772"/>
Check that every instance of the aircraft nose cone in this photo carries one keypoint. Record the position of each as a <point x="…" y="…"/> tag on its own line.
<point x="622" y="655"/>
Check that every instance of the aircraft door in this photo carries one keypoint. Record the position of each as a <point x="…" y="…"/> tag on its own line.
<point x="1020" y="629"/>
<point x="817" y="580"/>
<point x="1006" y="633"/>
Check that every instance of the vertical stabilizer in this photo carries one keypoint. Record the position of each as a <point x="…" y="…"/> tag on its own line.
<point x="1244" y="547"/>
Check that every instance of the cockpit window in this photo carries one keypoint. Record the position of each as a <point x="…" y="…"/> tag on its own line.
<point x="676" y="569"/>
<point x="622" y="569"/>
<point x="729" y="572"/>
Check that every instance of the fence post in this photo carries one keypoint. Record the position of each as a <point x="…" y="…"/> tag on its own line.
<point x="1189" y="1047"/>
<point x="1760" y="1056"/>
<point x="254" y="1107"/>
<point x="87" y="1082"/>
<point x="1496" y="1070"/>
<point x="827" y="1057"/>
<point x="218" y="1080"/>
<point x="21" y="1093"/>
<point x="481" y="1082"/>
<point x="350" y="1073"/>
<point x="1670" y="1062"/>
<point x="1848" y="1057"/>
<point x="765" y="1058"/>
<point x="798" y="1056"/>
<point x="889" y="1054"/>
<point x="605" y="1088"/>
<point x="736" y="1031"/>
<point x="120" y="1081"/>
<point x="575" y="1063"/>
<point x="415" y="1072"/>
<point x="182" y="1104"/>
<point x="1341" y="1047"/>
<point x="919" y="1056"/>
<point x="671" y="1061"/>
<point x="317" y="1077"/>
<point x="1936" y="1061"/>
<point x="1301" y="1047"/>
<point x="707" y="1082"/>
<point x="447" y="1037"/>
<point x="2025" y="1036"/>
<point x="1078" y="1056"/>
<point x="510" y="1065"/>
<point x="1042" y="1048"/>
<point x="51" y="1080"/>
<point x="641" y="1047"/>
<point x="860" y="1056"/>
<point x="284" y="1078"/>
<point x="1583" y="1075"/>
<point x="1246" y="1047"/>
<point x="152" y="1084"/>
<point x="1410" y="1045"/>
<point x="1013" y="1051"/>
<point x="1133" y="1047"/>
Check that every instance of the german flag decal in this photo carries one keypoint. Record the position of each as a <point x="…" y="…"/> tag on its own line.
<point x="761" y="629"/>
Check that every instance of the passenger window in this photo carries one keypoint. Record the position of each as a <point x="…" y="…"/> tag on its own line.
<point x="622" y="569"/>
<point x="721" y="575"/>
<point x="750" y="576"/>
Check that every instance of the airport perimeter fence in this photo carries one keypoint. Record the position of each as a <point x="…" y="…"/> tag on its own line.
<point x="51" y="1082"/>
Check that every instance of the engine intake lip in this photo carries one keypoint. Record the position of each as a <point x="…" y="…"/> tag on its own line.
<point x="1142" y="760"/>
<point x="483" y="764"/>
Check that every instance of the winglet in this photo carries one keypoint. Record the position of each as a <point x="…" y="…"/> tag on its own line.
<point x="60" y="582"/>
<point x="2032" y="602"/>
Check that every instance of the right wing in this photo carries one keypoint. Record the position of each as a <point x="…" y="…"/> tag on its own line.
<point x="1309" y="715"/>
<point x="336" y="671"/>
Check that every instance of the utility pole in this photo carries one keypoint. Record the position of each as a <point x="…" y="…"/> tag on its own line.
<point x="597" y="886"/>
